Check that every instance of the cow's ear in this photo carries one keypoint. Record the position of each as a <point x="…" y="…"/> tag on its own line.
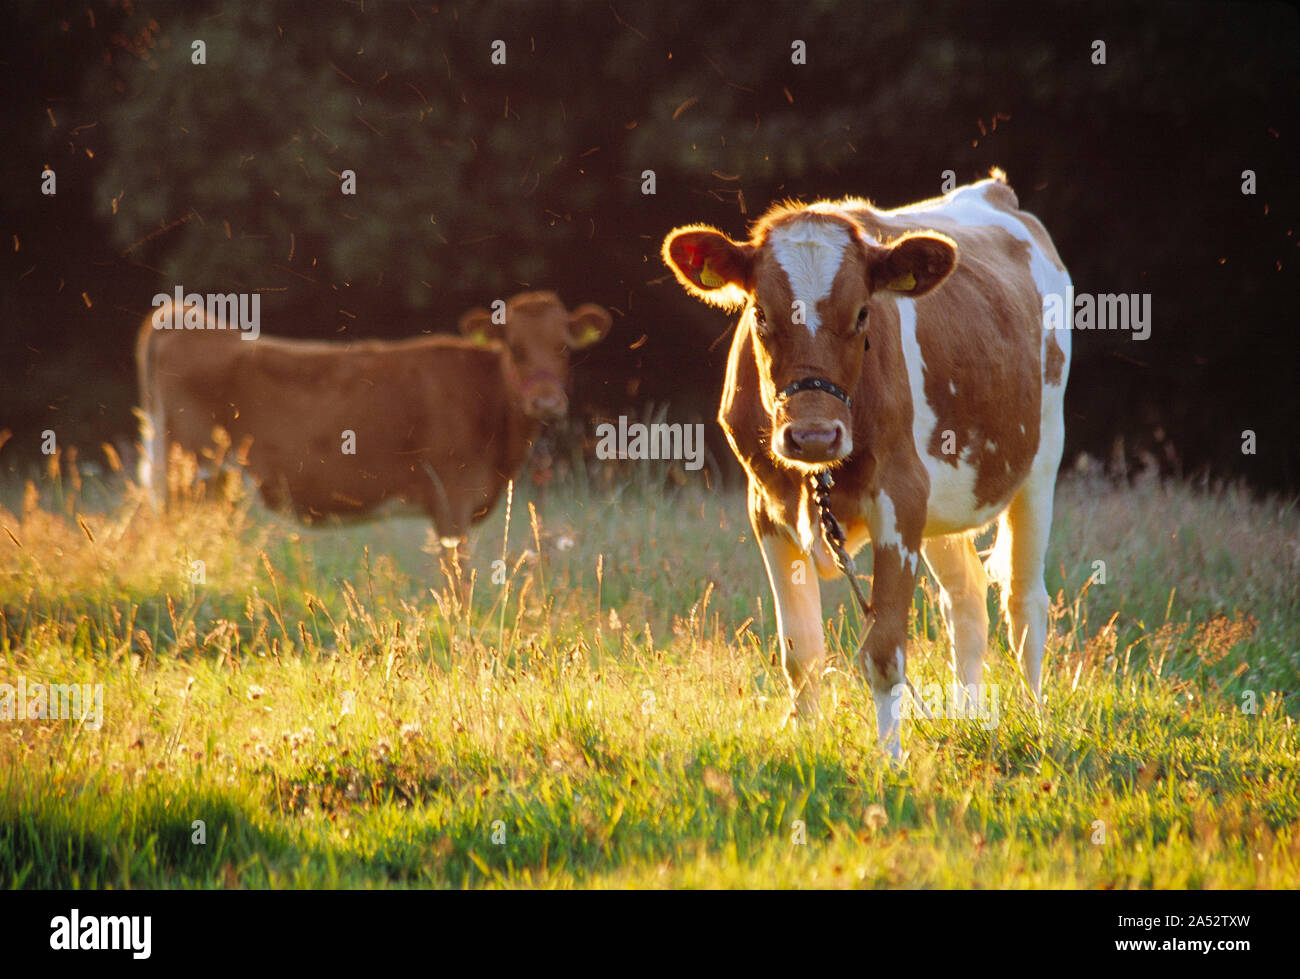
<point x="709" y="265"/>
<point x="588" y="324"/>
<point x="478" y="326"/>
<point x="914" y="264"/>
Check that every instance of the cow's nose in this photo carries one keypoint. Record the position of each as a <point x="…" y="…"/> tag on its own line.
<point x="550" y="407"/>
<point x="817" y="442"/>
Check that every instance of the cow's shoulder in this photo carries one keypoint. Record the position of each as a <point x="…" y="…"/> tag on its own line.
<point x="774" y="491"/>
<point x="985" y="216"/>
<point x="741" y="412"/>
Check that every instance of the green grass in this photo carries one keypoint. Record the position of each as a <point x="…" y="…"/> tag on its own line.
<point x="612" y="715"/>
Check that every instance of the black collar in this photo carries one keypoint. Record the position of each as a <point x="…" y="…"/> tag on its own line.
<point x="814" y="384"/>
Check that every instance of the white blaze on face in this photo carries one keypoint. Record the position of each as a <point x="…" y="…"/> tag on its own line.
<point x="810" y="253"/>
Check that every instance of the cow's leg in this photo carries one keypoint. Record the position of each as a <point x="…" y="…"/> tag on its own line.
<point x="452" y="564"/>
<point x="1029" y="521"/>
<point x="895" y="551"/>
<point x="450" y="522"/>
<point x="455" y="553"/>
<point x="151" y="469"/>
<point x="798" y="599"/>
<point x="963" y="600"/>
<point x="449" y="511"/>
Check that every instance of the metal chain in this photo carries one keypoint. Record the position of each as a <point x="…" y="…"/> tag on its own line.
<point x="833" y="534"/>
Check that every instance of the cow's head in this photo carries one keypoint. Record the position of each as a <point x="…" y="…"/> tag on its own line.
<point x="538" y="333"/>
<point x="808" y="281"/>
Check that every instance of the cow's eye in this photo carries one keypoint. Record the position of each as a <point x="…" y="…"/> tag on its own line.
<point x="862" y="317"/>
<point x="760" y="318"/>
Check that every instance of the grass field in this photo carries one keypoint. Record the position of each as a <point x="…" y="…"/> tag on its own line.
<point x="313" y="708"/>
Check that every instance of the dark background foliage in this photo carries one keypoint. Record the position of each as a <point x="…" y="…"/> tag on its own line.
<point x="476" y="180"/>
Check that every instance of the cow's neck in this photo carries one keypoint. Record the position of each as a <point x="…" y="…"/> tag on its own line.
<point x="784" y="494"/>
<point x="520" y="429"/>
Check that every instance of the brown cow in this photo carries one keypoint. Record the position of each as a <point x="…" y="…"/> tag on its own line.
<point x="440" y="423"/>
<point x="907" y="351"/>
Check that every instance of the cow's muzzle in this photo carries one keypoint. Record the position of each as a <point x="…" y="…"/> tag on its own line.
<point x="544" y="397"/>
<point x="814" y="440"/>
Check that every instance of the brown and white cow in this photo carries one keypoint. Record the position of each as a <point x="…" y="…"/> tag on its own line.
<point x="938" y="409"/>
<point x="439" y="422"/>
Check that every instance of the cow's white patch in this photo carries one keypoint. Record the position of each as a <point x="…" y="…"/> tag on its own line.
<point x="952" y="499"/>
<point x="888" y="698"/>
<point x="889" y="533"/>
<point x="969" y="206"/>
<point x="951" y="507"/>
<point x="810" y="253"/>
<point x="887" y="725"/>
<point x="909" y="561"/>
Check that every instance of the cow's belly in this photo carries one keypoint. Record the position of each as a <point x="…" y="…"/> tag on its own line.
<point x="951" y="510"/>
<point x="319" y="480"/>
<point x="960" y="500"/>
<point x="952" y="507"/>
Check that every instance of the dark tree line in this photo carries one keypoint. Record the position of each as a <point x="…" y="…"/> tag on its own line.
<point x="476" y="178"/>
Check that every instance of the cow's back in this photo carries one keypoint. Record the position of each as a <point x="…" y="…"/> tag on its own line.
<point x="986" y="375"/>
<point x="335" y="428"/>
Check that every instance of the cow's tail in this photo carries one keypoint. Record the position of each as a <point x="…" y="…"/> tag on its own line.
<point x="151" y="470"/>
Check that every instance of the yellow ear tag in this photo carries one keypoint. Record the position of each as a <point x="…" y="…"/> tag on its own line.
<point x="904" y="283"/>
<point x="479" y="337"/>
<point x="709" y="278"/>
<point x="590" y="335"/>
